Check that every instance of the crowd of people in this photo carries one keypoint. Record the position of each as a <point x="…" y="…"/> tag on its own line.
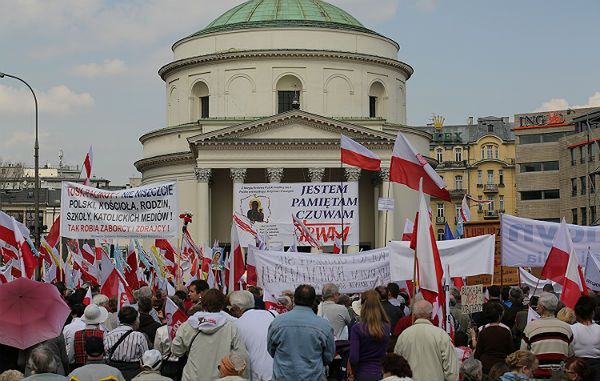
<point x="381" y="334"/>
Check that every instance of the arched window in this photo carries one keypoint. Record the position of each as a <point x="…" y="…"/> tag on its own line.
<point x="200" y="101"/>
<point x="289" y="91"/>
<point x="376" y="98"/>
<point x="439" y="154"/>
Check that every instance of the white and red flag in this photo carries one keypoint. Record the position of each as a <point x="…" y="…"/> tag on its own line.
<point x="87" y="299"/>
<point x="555" y="267"/>
<point x="408" y="230"/>
<point x="306" y="234"/>
<point x="573" y="283"/>
<point x="86" y="171"/>
<point x="251" y="276"/>
<point x="465" y="211"/>
<point x="356" y="155"/>
<point x="48" y="243"/>
<point x="113" y="283"/>
<point x="337" y="245"/>
<point x="88" y="253"/>
<point x="168" y="254"/>
<point x="131" y="271"/>
<point x="408" y="166"/>
<point x="236" y="261"/>
<point x="429" y="265"/>
<point x="175" y="317"/>
<point x="13" y="239"/>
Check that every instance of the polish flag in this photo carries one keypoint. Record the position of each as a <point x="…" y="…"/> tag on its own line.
<point x="87" y="299"/>
<point x="408" y="166"/>
<point x="168" y="253"/>
<point x="175" y="317"/>
<point x="113" y="282"/>
<point x="251" y="276"/>
<point x="337" y="245"/>
<point x="122" y="296"/>
<point x="356" y="155"/>
<point x="574" y="283"/>
<point x="272" y="304"/>
<point x="236" y="261"/>
<point x="88" y="254"/>
<point x="465" y="211"/>
<point x="13" y="234"/>
<point x="86" y="171"/>
<point x="50" y="241"/>
<point x="555" y="267"/>
<point x="408" y="230"/>
<point x="131" y="275"/>
<point x="429" y="265"/>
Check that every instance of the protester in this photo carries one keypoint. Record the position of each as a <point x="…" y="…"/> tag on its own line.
<point x="253" y="325"/>
<point x="494" y="342"/>
<point x="93" y="317"/>
<point x="427" y="348"/>
<point x="232" y="368"/>
<point x="196" y="290"/>
<point x="172" y="366"/>
<point x="494" y="297"/>
<point x="463" y="321"/>
<point x="369" y="339"/>
<point x="408" y="320"/>
<point x="577" y="369"/>
<point x="393" y="313"/>
<point x="394" y="296"/>
<point x="151" y="362"/>
<point x="567" y="315"/>
<point x="56" y="346"/>
<point x="516" y="305"/>
<point x="521" y="320"/>
<point x="95" y="368"/>
<point x="335" y="314"/>
<point x="395" y="368"/>
<point x="9" y="357"/>
<point x="471" y="370"/>
<point x="147" y="325"/>
<point x="145" y="292"/>
<point x="11" y="375"/>
<point x="43" y="366"/>
<point x="207" y="337"/>
<point x="586" y="334"/>
<point x="522" y="364"/>
<point x="69" y="330"/>
<point x="124" y="346"/>
<point x="548" y="338"/>
<point x="497" y="371"/>
<point x="461" y="346"/>
<point x="112" y="321"/>
<point x="300" y="342"/>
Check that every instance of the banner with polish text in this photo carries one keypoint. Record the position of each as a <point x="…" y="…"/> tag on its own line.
<point x="323" y="207"/>
<point x="526" y="242"/>
<point x="149" y="211"/>
<point x="278" y="271"/>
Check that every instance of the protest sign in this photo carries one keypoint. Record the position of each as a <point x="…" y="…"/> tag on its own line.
<point x="526" y="242"/>
<point x="471" y="298"/>
<point x="503" y="275"/>
<point x="592" y="273"/>
<point x="322" y="207"/>
<point x="278" y="271"/>
<point x="149" y="211"/>
<point x="465" y="257"/>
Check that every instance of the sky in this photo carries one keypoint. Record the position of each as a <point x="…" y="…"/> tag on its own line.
<point x="93" y="65"/>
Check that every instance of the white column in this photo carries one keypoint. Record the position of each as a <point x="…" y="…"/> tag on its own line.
<point x="203" y="219"/>
<point x="316" y="176"/>
<point x="353" y="175"/>
<point x="275" y="175"/>
<point x="386" y="219"/>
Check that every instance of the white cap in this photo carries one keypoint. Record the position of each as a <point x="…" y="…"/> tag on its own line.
<point x="94" y="314"/>
<point x="152" y="359"/>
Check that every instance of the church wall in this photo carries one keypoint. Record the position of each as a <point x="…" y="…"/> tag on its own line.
<point x="292" y="38"/>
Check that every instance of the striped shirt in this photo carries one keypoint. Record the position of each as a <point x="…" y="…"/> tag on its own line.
<point x="551" y="341"/>
<point x="131" y="349"/>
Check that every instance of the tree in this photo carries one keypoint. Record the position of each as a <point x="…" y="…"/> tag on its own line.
<point x="12" y="174"/>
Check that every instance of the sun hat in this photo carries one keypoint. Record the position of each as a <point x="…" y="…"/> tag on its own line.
<point x="94" y="314"/>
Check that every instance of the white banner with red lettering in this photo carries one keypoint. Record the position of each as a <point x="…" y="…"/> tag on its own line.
<point x="278" y="271"/>
<point x="149" y="211"/>
<point x="322" y="207"/>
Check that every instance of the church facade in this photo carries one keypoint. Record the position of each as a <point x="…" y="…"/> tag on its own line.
<point x="262" y="94"/>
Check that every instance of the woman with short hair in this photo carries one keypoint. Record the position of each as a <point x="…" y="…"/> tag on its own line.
<point x="586" y="334"/>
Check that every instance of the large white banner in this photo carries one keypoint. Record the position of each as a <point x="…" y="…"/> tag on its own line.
<point x="278" y="271"/>
<point x="466" y="257"/>
<point x="323" y="207"/>
<point x="526" y="242"/>
<point x="145" y="212"/>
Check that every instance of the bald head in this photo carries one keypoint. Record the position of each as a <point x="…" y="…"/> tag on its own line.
<point x="422" y="309"/>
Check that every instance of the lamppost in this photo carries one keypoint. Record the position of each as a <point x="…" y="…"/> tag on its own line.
<point x="36" y="155"/>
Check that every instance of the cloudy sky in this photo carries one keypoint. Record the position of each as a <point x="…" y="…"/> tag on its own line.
<point x="93" y="65"/>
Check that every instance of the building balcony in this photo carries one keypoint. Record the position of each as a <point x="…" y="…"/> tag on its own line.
<point x="491" y="215"/>
<point x="440" y="220"/>
<point x="490" y="188"/>
<point x="457" y="193"/>
<point x="452" y="164"/>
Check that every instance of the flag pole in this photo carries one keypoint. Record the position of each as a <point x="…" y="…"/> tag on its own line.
<point x="386" y="216"/>
<point x="342" y="203"/>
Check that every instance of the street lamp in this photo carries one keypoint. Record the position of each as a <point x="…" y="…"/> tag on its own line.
<point x="36" y="155"/>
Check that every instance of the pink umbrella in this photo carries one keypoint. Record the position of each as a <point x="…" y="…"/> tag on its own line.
<point x="30" y="312"/>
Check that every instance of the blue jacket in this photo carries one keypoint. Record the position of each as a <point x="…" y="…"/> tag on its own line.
<point x="301" y="344"/>
<point x="510" y="376"/>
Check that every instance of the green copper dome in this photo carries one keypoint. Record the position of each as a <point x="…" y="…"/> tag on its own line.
<point x="284" y="13"/>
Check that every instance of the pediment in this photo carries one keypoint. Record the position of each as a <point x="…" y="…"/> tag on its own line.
<point x="292" y="128"/>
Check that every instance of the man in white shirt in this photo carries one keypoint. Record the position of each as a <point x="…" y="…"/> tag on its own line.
<point x="253" y="326"/>
<point x="75" y="325"/>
